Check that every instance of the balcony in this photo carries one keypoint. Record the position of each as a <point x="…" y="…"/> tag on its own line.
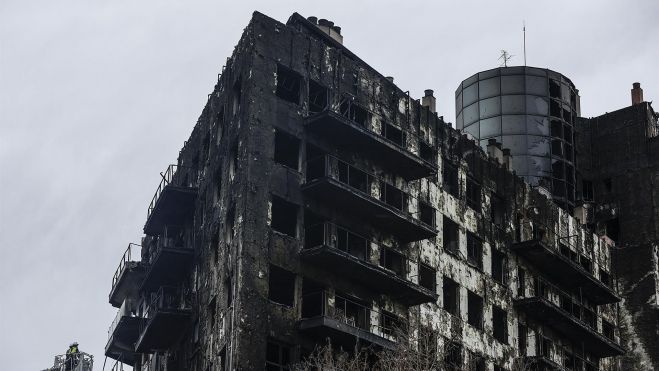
<point x="347" y="322"/>
<point x="560" y="310"/>
<point x="387" y="144"/>
<point x="336" y="248"/>
<point x="174" y="201"/>
<point x="169" y="257"/>
<point x="364" y="195"/>
<point x="123" y="334"/>
<point x="128" y="276"/>
<point x="544" y="253"/>
<point x="167" y="316"/>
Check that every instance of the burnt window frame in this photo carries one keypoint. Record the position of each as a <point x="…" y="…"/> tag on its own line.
<point x="280" y="227"/>
<point x="285" y="87"/>
<point x="475" y="310"/>
<point x="282" y="363"/>
<point x="450" y="178"/>
<point x="451" y="288"/>
<point x="500" y="320"/>
<point x="280" y="155"/>
<point x="502" y="276"/>
<point x="430" y="274"/>
<point x="277" y="293"/>
<point x="453" y="249"/>
<point x="473" y="194"/>
<point x="323" y="96"/>
<point x="474" y="251"/>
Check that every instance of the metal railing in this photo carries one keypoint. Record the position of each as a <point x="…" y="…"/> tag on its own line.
<point x="366" y="183"/>
<point x="569" y="305"/>
<point x="127" y="309"/>
<point x="167" y="298"/>
<point x="126" y="258"/>
<point x="174" y="237"/>
<point x="80" y="361"/>
<point x="562" y="355"/>
<point x="340" y="238"/>
<point x="175" y="175"/>
<point x="353" y="313"/>
<point x="346" y="108"/>
<point x="562" y="246"/>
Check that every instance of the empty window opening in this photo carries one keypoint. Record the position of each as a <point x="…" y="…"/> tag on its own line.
<point x="477" y="362"/>
<point x="427" y="277"/>
<point x="605" y="277"/>
<point x="500" y="324"/>
<point x="287" y="150"/>
<point x="473" y="195"/>
<point x="390" y="324"/>
<point x="228" y="288"/>
<point x="281" y="286"/>
<point x="426" y="151"/>
<point x="313" y="299"/>
<point x="608" y="330"/>
<point x="590" y="318"/>
<point x="497" y="210"/>
<point x="318" y="97"/>
<point x="352" y="243"/>
<point x="450" y="179"/>
<point x="278" y="356"/>
<point x="426" y="213"/>
<point x="586" y="264"/>
<point x="284" y="216"/>
<point x="215" y="247"/>
<point x="354" y="112"/>
<point x="450" y="236"/>
<point x="218" y="183"/>
<point x="587" y="190"/>
<point x="521" y="282"/>
<point x="474" y="250"/>
<point x="451" y="296"/>
<point x="353" y="177"/>
<point x="543" y="345"/>
<point x="522" y="333"/>
<point x="453" y="356"/>
<point x="212" y="311"/>
<point x="475" y="310"/>
<point x="554" y="89"/>
<point x="236" y="96"/>
<point x="288" y="84"/>
<point x="230" y="225"/>
<point x="394" y="196"/>
<point x="613" y="229"/>
<point x="315" y="163"/>
<point x="351" y="312"/>
<point x="394" y="134"/>
<point x="393" y="260"/>
<point x="219" y="121"/>
<point x="499" y="270"/>
<point x="555" y="108"/>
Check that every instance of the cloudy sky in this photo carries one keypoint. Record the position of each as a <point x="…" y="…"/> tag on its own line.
<point x="97" y="97"/>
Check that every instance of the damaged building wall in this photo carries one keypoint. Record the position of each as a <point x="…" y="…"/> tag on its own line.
<point x="329" y="203"/>
<point x="619" y="171"/>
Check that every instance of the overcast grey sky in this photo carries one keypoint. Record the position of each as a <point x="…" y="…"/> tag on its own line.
<point x="97" y="97"/>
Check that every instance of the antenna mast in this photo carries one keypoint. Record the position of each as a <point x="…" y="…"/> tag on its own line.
<point x="506" y="57"/>
<point x="524" y="31"/>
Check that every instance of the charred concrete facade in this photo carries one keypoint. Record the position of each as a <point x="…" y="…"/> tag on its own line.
<point x="315" y="199"/>
<point x="618" y="156"/>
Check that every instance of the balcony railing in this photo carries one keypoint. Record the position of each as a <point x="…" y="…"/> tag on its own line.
<point x="167" y="314"/>
<point x="351" y="125"/>
<point x="123" y="333"/>
<point x="173" y="202"/>
<point x="390" y="272"/>
<point x="362" y="192"/>
<point x="552" y="253"/>
<point x="568" y="315"/>
<point x="346" y="320"/>
<point x="169" y="257"/>
<point x="128" y="275"/>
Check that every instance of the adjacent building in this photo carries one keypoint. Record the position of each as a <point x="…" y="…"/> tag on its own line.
<point x="317" y="200"/>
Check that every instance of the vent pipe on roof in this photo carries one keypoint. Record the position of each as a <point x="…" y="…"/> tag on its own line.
<point x="637" y="93"/>
<point x="328" y="27"/>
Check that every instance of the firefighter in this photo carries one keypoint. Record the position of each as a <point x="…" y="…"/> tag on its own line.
<point x="72" y="357"/>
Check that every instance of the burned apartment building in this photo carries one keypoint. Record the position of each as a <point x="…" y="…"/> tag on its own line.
<point x="317" y="200"/>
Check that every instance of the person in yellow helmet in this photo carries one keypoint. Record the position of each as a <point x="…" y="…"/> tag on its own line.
<point x="72" y="357"/>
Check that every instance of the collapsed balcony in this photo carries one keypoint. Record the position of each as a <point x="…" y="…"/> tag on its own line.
<point x="389" y="144"/>
<point x="167" y="316"/>
<point x="169" y="257"/>
<point x="553" y="258"/>
<point x="334" y="247"/>
<point x="128" y="276"/>
<point x="558" y="309"/>
<point x="123" y="334"/>
<point x="369" y="197"/>
<point x="348" y="322"/>
<point x="174" y="200"/>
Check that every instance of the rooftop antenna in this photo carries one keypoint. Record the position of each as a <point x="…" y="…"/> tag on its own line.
<point x="506" y="57"/>
<point x="524" y="32"/>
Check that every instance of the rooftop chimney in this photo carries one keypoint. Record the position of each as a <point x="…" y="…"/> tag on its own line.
<point x="494" y="150"/>
<point x="328" y="27"/>
<point x="637" y="93"/>
<point x="429" y="101"/>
